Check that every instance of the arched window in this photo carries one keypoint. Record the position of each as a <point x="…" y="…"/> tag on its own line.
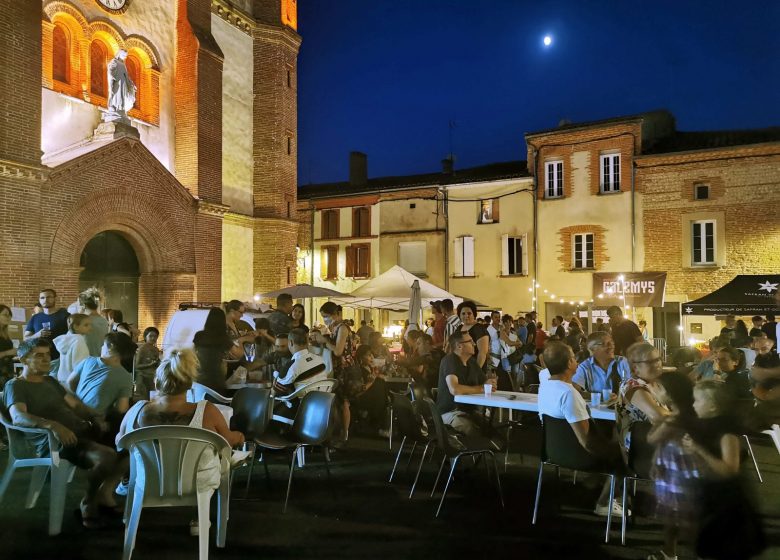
<point x="97" y="65"/>
<point x="134" y="71"/>
<point x="60" y="55"/>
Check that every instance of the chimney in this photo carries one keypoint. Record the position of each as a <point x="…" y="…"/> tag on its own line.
<point x="447" y="165"/>
<point x="358" y="169"/>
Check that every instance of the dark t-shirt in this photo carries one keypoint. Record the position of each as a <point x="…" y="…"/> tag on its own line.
<point x="281" y="323"/>
<point x="770" y="329"/>
<point x="625" y="334"/>
<point x="468" y="374"/>
<point x="47" y="400"/>
<point x="7" y="363"/>
<point x="59" y="326"/>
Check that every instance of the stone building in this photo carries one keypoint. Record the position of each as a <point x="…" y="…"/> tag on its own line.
<point x="195" y="201"/>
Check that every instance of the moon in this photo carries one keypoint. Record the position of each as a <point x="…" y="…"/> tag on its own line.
<point x="547" y="40"/>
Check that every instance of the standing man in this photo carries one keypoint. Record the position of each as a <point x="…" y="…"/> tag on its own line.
<point x="624" y="331"/>
<point x="99" y="325"/>
<point x="48" y="324"/>
<point x="731" y="323"/>
<point x="280" y="319"/>
<point x="770" y="328"/>
<point x="758" y="321"/>
<point x="494" y="332"/>
<point x="452" y="321"/>
<point x="364" y="333"/>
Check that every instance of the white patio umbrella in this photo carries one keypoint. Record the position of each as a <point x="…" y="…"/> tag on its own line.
<point x="415" y="305"/>
<point x="303" y="291"/>
<point x="392" y="290"/>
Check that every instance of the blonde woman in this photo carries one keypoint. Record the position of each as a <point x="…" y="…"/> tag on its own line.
<point x="72" y="346"/>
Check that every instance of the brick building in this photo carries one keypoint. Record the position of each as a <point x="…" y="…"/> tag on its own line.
<point x="191" y="203"/>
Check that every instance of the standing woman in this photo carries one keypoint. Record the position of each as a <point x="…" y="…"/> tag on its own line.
<point x="339" y="346"/>
<point x="467" y="311"/>
<point x="212" y="345"/>
<point x="7" y="350"/>
<point x="298" y="316"/>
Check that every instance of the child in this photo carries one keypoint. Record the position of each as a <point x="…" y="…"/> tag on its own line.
<point x="675" y="468"/>
<point x="147" y="358"/>
<point x="72" y="346"/>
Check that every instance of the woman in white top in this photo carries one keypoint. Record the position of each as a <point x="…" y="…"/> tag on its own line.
<point x="173" y="379"/>
<point x="72" y="346"/>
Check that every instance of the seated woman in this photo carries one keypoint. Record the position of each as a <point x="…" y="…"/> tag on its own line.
<point x="731" y="368"/>
<point x="212" y="346"/>
<point x="365" y="390"/>
<point x="173" y="379"/>
<point x="379" y="349"/>
<point x="639" y="403"/>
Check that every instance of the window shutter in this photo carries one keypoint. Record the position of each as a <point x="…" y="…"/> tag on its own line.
<point x="350" y="273"/>
<point x="468" y="256"/>
<point x="525" y="254"/>
<point x="459" y="256"/>
<point x="505" y="255"/>
<point x="365" y="222"/>
<point x="495" y="209"/>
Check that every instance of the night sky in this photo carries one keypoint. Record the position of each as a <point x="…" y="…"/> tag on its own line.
<point x="386" y="77"/>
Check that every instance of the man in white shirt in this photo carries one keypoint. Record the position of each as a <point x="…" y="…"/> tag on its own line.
<point x="494" y="331"/>
<point x="559" y="399"/>
<point x="452" y="321"/>
<point x="305" y="367"/>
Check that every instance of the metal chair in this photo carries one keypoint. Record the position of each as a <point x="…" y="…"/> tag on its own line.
<point x="21" y="455"/>
<point x="164" y="473"/>
<point x="752" y="457"/>
<point x="311" y="428"/>
<point x="561" y="448"/>
<point x="199" y="392"/>
<point x="454" y="451"/>
<point x="251" y="416"/>
<point x="774" y="433"/>
<point x="410" y="426"/>
<point x="640" y="458"/>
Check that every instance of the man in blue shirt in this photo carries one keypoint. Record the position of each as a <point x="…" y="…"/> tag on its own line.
<point x="48" y="324"/>
<point x="603" y="370"/>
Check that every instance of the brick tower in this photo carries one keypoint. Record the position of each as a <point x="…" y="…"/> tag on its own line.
<point x="274" y="175"/>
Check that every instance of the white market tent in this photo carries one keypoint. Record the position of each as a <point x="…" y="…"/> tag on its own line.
<point x="393" y="291"/>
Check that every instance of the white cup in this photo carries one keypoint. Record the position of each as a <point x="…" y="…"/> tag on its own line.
<point x="606" y="394"/>
<point x="488" y="389"/>
<point x="595" y="399"/>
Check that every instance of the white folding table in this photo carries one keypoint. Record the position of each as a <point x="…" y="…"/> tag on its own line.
<point x="528" y="402"/>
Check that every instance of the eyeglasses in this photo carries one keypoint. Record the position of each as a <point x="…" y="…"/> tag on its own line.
<point x="653" y="361"/>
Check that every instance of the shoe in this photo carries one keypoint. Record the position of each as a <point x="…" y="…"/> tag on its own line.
<point x="617" y="510"/>
<point x="385" y="434"/>
<point x="195" y="528"/>
<point x="122" y="488"/>
<point x="238" y="457"/>
<point x="661" y="555"/>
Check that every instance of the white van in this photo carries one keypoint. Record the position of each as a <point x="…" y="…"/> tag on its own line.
<point x="184" y="324"/>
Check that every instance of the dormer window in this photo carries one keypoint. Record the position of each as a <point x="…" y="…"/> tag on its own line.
<point x="701" y="192"/>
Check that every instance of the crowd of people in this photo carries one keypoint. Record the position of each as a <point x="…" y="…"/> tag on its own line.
<point x="86" y="377"/>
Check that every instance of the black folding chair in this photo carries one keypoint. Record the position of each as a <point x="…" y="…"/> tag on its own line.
<point x="251" y="416"/>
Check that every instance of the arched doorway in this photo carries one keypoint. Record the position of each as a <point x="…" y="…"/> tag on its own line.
<point x="110" y="263"/>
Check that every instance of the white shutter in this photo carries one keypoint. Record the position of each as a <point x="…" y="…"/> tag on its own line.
<point x="505" y="255"/>
<point x="458" y="254"/>
<point x="468" y="256"/>
<point x="412" y="256"/>
<point x="525" y="254"/>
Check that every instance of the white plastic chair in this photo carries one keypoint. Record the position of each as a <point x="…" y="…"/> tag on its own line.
<point x="774" y="433"/>
<point x="164" y="472"/>
<point x="21" y="455"/>
<point x="198" y="392"/>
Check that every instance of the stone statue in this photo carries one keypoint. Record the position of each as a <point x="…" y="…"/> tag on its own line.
<point x="121" y="90"/>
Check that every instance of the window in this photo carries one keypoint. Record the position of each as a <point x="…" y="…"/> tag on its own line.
<point x="361" y="222"/>
<point x="413" y="256"/>
<point x="97" y="69"/>
<point x="329" y="269"/>
<point x="703" y="242"/>
<point x="330" y="224"/>
<point x="488" y="211"/>
<point x="553" y="179"/>
<point x="582" y="250"/>
<point x="610" y="173"/>
<point x="359" y="261"/>
<point x="464" y="256"/>
<point x="289" y="145"/>
<point x="512" y="257"/>
<point x="60" y="54"/>
<point x="701" y="192"/>
<point x="134" y="71"/>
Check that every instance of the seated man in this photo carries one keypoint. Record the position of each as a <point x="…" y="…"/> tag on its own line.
<point x="304" y="367"/>
<point x="37" y="400"/>
<point x="603" y="370"/>
<point x="459" y="374"/>
<point x="765" y="377"/>
<point x="102" y="383"/>
<point x="559" y="399"/>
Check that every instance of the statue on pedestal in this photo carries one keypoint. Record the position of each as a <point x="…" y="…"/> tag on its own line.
<point x="121" y="90"/>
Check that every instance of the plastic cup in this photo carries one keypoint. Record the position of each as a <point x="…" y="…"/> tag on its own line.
<point x="46" y="326"/>
<point x="488" y="389"/>
<point x="595" y="399"/>
<point x="606" y="394"/>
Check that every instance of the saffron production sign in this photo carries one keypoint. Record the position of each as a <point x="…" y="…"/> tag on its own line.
<point x="637" y="289"/>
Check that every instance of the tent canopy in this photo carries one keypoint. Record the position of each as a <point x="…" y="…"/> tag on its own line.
<point x="393" y="290"/>
<point x="746" y="294"/>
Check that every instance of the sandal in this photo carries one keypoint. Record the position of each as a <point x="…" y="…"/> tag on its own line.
<point x="661" y="555"/>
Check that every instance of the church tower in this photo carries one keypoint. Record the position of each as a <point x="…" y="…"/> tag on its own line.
<point x="275" y="44"/>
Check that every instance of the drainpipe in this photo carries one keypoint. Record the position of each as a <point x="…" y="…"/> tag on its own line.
<point x="535" y="196"/>
<point x="311" y="271"/>
<point x="446" y="241"/>
<point x="633" y="216"/>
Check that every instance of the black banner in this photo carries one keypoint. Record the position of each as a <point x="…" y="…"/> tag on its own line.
<point x="637" y="289"/>
<point x="746" y="294"/>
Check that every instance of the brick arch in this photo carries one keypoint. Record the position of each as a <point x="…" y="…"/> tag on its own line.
<point x="53" y="9"/>
<point x="146" y="52"/>
<point x="141" y="222"/>
<point x="108" y="34"/>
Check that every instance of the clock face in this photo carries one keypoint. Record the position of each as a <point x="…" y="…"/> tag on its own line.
<point x="114" y="6"/>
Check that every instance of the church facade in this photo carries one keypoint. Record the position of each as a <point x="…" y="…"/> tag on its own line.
<point x="195" y="200"/>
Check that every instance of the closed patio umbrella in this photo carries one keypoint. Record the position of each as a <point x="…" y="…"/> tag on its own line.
<point x="415" y="305"/>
